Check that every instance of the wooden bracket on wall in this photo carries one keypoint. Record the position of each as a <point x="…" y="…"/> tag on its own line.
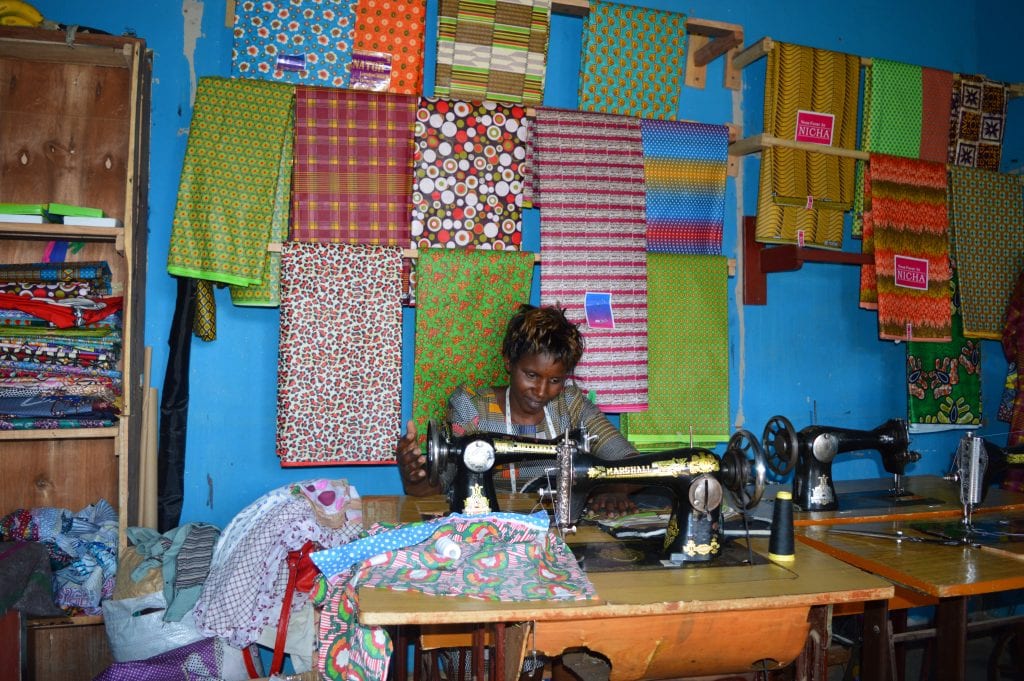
<point x="709" y="40"/>
<point x="760" y="260"/>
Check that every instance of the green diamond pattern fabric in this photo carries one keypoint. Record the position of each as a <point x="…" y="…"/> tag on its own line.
<point x="229" y="180"/>
<point x="688" y="354"/>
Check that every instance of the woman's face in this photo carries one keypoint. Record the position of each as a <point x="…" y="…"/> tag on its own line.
<point x="534" y="381"/>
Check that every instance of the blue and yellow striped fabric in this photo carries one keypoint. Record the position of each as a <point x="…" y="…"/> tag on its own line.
<point x="684" y="173"/>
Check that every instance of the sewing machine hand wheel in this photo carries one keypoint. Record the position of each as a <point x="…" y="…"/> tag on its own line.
<point x="438" y="451"/>
<point x="780" y="445"/>
<point x="743" y="469"/>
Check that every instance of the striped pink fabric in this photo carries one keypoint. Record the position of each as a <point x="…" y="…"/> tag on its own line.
<point x="589" y="172"/>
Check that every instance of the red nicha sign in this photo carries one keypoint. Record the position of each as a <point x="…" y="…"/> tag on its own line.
<point x="814" y="127"/>
<point x="910" y="272"/>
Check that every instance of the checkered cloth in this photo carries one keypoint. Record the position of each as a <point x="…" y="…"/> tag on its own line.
<point x="353" y="166"/>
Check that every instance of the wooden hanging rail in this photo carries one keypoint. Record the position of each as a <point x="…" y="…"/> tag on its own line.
<point x="755" y="143"/>
<point x="760" y="259"/>
<point x="414" y="253"/>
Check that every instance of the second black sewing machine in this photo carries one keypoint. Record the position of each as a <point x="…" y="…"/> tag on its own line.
<point x="816" y="448"/>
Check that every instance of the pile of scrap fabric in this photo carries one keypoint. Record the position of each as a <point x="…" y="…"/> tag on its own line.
<point x="60" y="345"/>
<point x="82" y="550"/>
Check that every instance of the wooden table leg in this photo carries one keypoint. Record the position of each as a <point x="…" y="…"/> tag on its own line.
<point x="478" y="652"/>
<point x="875" y="662"/>
<point x="498" y="664"/>
<point x="399" y="663"/>
<point x="951" y="638"/>
<point x="812" y="663"/>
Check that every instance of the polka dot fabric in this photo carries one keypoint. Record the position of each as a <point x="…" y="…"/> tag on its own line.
<point x="468" y="185"/>
<point x="319" y="33"/>
<point x="684" y="174"/>
<point x="632" y="61"/>
<point x="394" y="27"/>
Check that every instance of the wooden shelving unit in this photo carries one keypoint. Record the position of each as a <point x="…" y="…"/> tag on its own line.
<point x="75" y="119"/>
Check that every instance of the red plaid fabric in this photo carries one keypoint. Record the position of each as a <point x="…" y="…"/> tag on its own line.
<point x="353" y="166"/>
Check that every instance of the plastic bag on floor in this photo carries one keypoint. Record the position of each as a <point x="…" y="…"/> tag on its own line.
<point x="137" y="631"/>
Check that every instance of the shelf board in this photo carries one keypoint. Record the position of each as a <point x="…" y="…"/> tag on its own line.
<point x="59" y="433"/>
<point x="57" y="622"/>
<point x="755" y="143"/>
<point x="52" y="230"/>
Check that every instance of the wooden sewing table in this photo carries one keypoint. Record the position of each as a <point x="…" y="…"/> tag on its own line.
<point x="924" y="574"/>
<point x="650" y="624"/>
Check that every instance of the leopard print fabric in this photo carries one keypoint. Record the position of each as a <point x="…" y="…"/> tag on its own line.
<point x="340" y="356"/>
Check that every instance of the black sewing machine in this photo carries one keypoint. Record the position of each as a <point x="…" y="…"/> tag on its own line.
<point x="695" y="477"/>
<point x="818" y="446"/>
<point x="476" y="455"/>
<point x="977" y="465"/>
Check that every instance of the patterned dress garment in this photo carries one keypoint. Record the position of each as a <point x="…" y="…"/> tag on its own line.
<point x="688" y="354"/>
<point x="1012" y="343"/>
<point x="684" y="173"/>
<point x="977" y="122"/>
<point x="944" y="380"/>
<point x="590" y="173"/>
<point x="469" y="161"/>
<point x="304" y="43"/>
<point x="986" y="212"/>
<point x="249" y="571"/>
<point x="803" y="193"/>
<point x="507" y="557"/>
<point x="229" y="179"/>
<point x="387" y="51"/>
<point x="464" y="301"/>
<point x="908" y="226"/>
<point x="633" y="60"/>
<point x="492" y="50"/>
<point x="340" y="356"/>
<point x="909" y="108"/>
<point x="353" y="166"/>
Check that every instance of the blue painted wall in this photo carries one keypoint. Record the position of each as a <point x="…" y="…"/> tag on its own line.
<point x="810" y="354"/>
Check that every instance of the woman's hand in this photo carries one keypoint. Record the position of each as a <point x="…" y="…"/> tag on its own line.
<point x="611" y="503"/>
<point x="412" y="465"/>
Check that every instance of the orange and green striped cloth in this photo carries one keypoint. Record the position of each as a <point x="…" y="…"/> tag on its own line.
<point x="909" y="228"/>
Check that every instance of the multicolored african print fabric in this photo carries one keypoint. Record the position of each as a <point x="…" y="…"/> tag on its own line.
<point x="492" y="50"/>
<point x="986" y="214"/>
<point x="469" y="165"/>
<point x="633" y="60"/>
<point x="464" y="301"/>
<point x="908" y="228"/>
<point x="308" y="42"/>
<point x="229" y="180"/>
<point x="590" y="173"/>
<point x="688" y="349"/>
<point x="802" y="195"/>
<point x="977" y="122"/>
<point x="389" y="40"/>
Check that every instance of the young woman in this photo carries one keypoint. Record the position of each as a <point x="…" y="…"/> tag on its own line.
<point x="541" y="348"/>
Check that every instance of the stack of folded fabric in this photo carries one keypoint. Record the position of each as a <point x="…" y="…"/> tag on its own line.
<point x="60" y="345"/>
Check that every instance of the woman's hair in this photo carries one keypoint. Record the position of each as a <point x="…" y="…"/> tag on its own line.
<point x="542" y="331"/>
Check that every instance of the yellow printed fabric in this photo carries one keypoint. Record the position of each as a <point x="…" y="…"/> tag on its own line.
<point x="229" y="180"/>
<point x="633" y="61"/>
<point x="804" y="191"/>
